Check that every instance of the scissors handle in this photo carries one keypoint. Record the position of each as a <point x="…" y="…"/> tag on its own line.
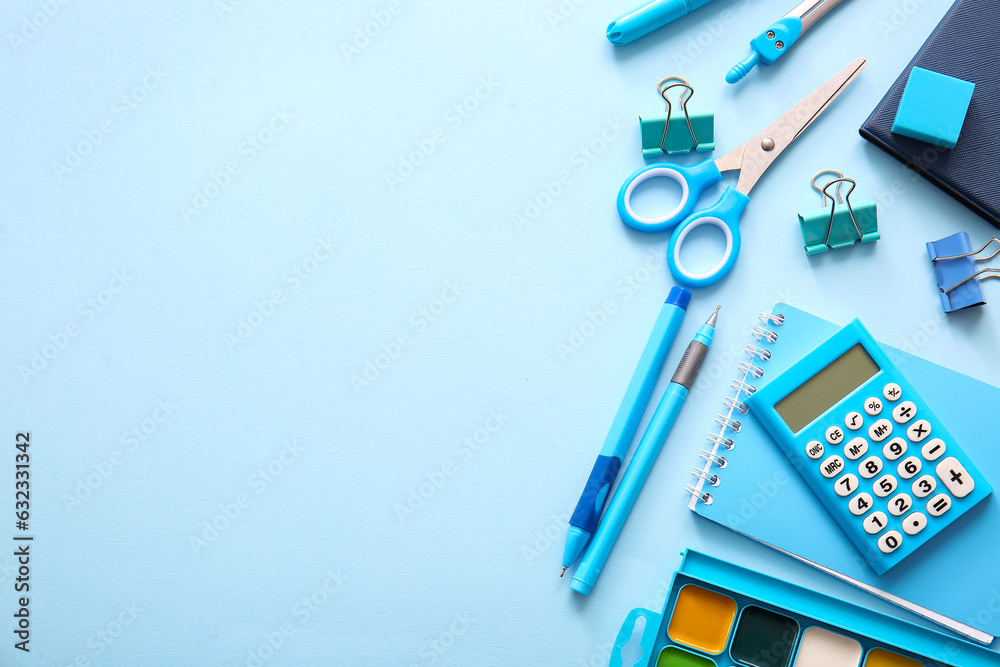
<point x="724" y="214"/>
<point x="693" y="180"/>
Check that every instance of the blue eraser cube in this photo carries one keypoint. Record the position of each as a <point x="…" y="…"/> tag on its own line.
<point x="933" y="107"/>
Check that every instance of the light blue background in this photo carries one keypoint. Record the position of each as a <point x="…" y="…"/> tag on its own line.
<point x="469" y="573"/>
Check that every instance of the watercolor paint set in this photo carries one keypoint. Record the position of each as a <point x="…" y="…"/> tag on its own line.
<point x="722" y="615"/>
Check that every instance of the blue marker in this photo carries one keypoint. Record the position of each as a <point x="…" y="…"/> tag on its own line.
<point x="647" y="17"/>
<point x="640" y="388"/>
<point x="645" y="455"/>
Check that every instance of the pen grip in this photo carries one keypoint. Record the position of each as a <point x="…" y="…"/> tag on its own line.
<point x="595" y="493"/>
<point x="690" y="364"/>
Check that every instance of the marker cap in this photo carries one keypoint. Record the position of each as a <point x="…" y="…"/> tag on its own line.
<point x="679" y="297"/>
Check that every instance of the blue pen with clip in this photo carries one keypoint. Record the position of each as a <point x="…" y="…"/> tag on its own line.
<point x="588" y="511"/>
<point x="645" y="455"/>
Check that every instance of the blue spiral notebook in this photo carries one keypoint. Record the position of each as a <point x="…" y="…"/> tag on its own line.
<point x="953" y="580"/>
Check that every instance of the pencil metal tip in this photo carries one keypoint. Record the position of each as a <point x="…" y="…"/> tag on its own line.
<point x="714" y="317"/>
<point x="564" y="571"/>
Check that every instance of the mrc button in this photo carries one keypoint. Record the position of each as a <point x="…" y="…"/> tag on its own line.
<point x="831" y="466"/>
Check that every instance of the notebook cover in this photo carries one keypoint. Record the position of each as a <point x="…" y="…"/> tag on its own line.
<point x="966" y="45"/>
<point x="762" y="496"/>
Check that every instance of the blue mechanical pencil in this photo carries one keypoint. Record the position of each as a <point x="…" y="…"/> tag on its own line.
<point x="645" y="455"/>
<point x="640" y="388"/>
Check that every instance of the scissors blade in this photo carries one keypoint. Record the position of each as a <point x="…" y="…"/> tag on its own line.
<point x="762" y="150"/>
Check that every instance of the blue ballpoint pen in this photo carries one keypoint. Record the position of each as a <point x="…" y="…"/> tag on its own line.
<point x="647" y="17"/>
<point x="775" y="41"/>
<point x="645" y="455"/>
<point x="640" y="388"/>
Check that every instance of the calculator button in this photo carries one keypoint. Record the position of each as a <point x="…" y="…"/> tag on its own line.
<point x="814" y="449"/>
<point x="933" y="449"/>
<point x="875" y="523"/>
<point x="873" y="405"/>
<point x="831" y="466"/>
<point x="892" y="392"/>
<point x="955" y="477"/>
<point x="834" y="435"/>
<point x="924" y="486"/>
<point x="854" y="421"/>
<point x="856" y="448"/>
<point x="870" y="467"/>
<point x="900" y="504"/>
<point x="904" y="412"/>
<point x="914" y="523"/>
<point x="918" y="430"/>
<point x="939" y="504"/>
<point x="890" y="542"/>
<point x="880" y="430"/>
<point x="846" y="485"/>
<point x="909" y="467"/>
<point x="884" y="485"/>
<point x="860" y="504"/>
<point x="893" y="449"/>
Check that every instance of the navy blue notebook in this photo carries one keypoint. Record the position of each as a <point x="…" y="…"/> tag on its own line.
<point x="966" y="45"/>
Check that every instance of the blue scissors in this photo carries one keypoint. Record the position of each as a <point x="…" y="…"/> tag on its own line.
<point x="751" y="159"/>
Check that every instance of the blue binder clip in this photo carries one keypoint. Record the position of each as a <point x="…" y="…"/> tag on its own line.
<point x="666" y="134"/>
<point x="955" y="269"/>
<point x="840" y="227"/>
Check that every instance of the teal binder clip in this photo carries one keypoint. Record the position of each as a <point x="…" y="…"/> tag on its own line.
<point x="841" y="227"/>
<point x="667" y="133"/>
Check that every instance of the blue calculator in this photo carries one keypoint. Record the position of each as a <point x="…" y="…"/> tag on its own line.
<point x="869" y="447"/>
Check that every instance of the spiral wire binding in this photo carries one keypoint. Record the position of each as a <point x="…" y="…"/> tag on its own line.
<point x="762" y="334"/>
<point x="735" y="405"/>
<point x="739" y="406"/>
<point x="725" y="442"/>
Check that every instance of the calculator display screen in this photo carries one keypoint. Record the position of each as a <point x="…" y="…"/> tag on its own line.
<point x="825" y="389"/>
